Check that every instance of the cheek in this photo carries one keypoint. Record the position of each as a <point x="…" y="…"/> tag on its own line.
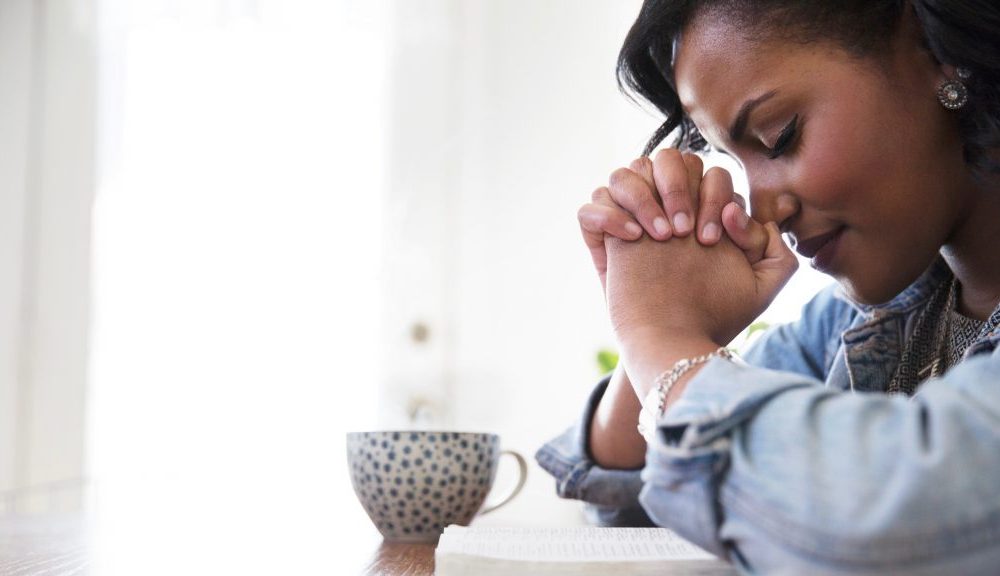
<point x="890" y="238"/>
<point x="835" y="173"/>
<point x="846" y="164"/>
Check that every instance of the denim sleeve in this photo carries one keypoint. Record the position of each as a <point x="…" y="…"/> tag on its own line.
<point x="780" y="475"/>
<point x="808" y="345"/>
<point x="611" y="496"/>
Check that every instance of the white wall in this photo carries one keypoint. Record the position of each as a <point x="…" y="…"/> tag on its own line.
<point x="509" y="118"/>
<point x="506" y="116"/>
<point x="427" y="140"/>
<point x="59" y="280"/>
<point x="503" y="116"/>
<point x="16" y="17"/>
<point x="48" y="84"/>
<point x="546" y="126"/>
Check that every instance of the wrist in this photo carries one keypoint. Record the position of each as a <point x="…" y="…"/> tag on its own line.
<point x="669" y="386"/>
<point x="656" y="352"/>
<point x="645" y="339"/>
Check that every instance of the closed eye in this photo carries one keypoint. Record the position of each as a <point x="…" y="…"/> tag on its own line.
<point x="785" y="139"/>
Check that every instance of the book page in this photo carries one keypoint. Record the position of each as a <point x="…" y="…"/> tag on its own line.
<point x="569" y="544"/>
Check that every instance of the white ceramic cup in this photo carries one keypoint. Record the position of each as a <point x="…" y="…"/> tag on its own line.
<point x="413" y="483"/>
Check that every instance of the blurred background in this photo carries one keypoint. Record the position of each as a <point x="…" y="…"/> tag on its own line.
<point x="233" y="230"/>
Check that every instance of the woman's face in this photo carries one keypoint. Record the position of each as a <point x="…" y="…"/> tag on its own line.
<point x="854" y="158"/>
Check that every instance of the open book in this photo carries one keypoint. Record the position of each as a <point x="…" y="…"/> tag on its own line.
<point x="489" y="551"/>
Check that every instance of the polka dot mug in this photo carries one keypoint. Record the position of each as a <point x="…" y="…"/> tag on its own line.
<point x="414" y="483"/>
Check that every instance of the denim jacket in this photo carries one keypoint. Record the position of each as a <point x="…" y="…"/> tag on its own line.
<point x="797" y="462"/>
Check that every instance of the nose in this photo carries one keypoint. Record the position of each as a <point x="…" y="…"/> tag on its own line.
<point x="770" y="201"/>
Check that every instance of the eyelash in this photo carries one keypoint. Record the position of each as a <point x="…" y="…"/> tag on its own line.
<point x="785" y="139"/>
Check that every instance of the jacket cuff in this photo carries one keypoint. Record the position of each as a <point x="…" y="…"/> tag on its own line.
<point x="567" y="457"/>
<point x="689" y="456"/>
<point x="723" y="395"/>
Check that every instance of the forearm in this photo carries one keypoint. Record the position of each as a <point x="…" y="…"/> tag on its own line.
<point x="614" y="441"/>
<point x="648" y="356"/>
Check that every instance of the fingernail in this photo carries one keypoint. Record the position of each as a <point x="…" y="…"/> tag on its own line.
<point x="661" y="226"/>
<point x="633" y="229"/>
<point x="710" y="233"/>
<point x="682" y="225"/>
<point x="742" y="219"/>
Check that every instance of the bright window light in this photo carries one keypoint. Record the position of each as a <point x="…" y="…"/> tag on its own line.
<point x="237" y="258"/>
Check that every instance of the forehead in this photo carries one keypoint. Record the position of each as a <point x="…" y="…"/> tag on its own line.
<point x="717" y="67"/>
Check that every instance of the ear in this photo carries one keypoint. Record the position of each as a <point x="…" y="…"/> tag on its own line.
<point x="911" y="50"/>
<point x="948" y="72"/>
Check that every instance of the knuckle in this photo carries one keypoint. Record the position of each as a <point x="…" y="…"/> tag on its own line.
<point x="672" y="177"/>
<point x="591" y="216"/>
<point x="713" y="200"/>
<point x="676" y="194"/>
<point x="628" y="189"/>
<point x="641" y="164"/>
<point x="599" y="194"/>
<point x="620" y="177"/>
<point x="717" y="191"/>
<point x="668" y="155"/>
<point x="718" y="173"/>
<point x="693" y="160"/>
<point x="713" y="203"/>
<point x="647" y="210"/>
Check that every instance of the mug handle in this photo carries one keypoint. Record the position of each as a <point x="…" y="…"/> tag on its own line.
<point x="522" y="477"/>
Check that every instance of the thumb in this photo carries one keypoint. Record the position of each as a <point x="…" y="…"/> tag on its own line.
<point x="777" y="264"/>
<point x="748" y="234"/>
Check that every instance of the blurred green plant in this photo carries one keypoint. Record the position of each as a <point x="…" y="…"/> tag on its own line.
<point x="607" y="359"/>
<point x="755" y="327"/>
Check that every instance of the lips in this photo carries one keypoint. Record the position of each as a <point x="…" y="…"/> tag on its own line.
<point x="811" y="246"/>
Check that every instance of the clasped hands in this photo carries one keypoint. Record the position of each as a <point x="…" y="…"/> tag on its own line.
<point x="679" y="258"/>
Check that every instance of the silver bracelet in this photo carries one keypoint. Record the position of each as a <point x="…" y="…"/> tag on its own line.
<point x="665" y="382"/>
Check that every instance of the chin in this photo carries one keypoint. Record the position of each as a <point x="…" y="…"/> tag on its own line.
<point x="869" y="298"/>
<point x="873" y="293"/>
<point x="882" y="272"/>
<point x="874" y="289"/>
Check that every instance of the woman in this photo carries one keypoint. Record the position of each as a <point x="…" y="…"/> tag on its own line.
<point x="865" y="437"/>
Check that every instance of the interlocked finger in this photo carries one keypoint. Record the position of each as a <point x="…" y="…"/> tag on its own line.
<point x="715" y="193"/>
<point x="643" y="166"/>
<point x="604" y="216"/>
<point x="748" y="234"/>
<point x="670" y="172"/>
<point x="632" y="192"/>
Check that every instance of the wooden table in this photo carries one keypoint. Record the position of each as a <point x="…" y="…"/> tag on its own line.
<point x="58" y="546"/>
<point x="401" y="559"/>
<point x="332" y="537"/>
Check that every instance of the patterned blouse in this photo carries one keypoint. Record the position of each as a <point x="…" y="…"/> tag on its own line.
<point x="940" y="338"/>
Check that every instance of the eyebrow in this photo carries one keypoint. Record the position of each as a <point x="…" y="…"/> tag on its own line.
<point x="739" y="125"/>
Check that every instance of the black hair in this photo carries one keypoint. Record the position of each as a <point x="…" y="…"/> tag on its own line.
<point x="963" y="33"/>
